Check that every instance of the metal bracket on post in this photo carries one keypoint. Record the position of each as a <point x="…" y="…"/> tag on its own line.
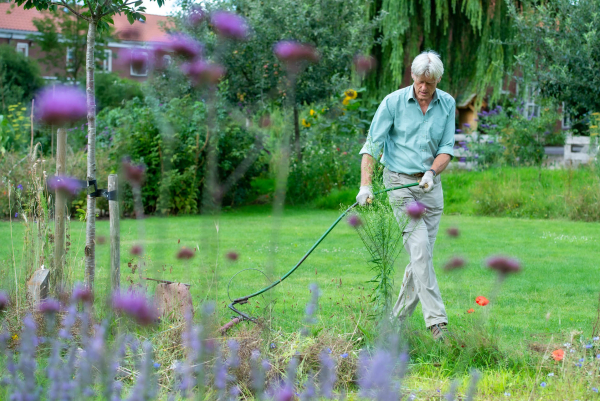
<point x="97" y="193"/>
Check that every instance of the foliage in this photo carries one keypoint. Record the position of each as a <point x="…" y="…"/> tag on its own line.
<point x="63" y="36"/>
<point x="19" y="78"/>
<point x="506" y="137"/>
<point x="474" y="39"/>
<point x="561" y="39"/>
<point x="114" y="91"/>
<point x="256" y="78"/>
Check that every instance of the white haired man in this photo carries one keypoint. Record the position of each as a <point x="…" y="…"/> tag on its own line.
<point x="413" y="132"/>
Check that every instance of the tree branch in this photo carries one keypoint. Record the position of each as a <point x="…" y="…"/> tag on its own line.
<point x="64" y="4"/>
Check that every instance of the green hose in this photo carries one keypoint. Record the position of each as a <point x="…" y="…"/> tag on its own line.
<point x="243" y="300"/>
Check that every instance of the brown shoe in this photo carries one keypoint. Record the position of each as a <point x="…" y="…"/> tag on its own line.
<point x="439" y="331"/>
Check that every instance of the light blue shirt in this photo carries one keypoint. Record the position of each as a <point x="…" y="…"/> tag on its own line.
<point x="410" y="139"/>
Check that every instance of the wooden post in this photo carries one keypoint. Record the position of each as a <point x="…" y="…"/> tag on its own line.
<point x="115" y="233"/>
<point x="60" y="205"/>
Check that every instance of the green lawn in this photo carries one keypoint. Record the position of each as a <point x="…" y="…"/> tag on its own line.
<point x="556" y="293"/>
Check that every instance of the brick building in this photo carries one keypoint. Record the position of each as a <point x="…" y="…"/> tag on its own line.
<point x="16" y="25"/>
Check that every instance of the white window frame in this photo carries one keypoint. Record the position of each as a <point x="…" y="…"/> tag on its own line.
<point x="133" y="73"/>
<point x="70" y="51"/>
<point x="23" y="48"/>
<point x="107" y="62"/>
<point x="530" y="108"/>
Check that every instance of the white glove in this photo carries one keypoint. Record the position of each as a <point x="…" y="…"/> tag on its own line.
<point x="365" y="192"/>
<point x="427" y="182"/>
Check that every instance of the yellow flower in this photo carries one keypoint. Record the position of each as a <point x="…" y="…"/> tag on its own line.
<point x="305" y="123"/>
<point x="346" y="101"/>
<point x="351" y="93"/>
<point x="594" y="114"/>
<point x="593" y="126"/>
<point x="312" y="112"/>
<point x="15" y="337"/>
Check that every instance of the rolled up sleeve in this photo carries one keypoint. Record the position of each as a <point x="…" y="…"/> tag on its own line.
<point x="378" y="132"/>
<point x="446" y="144"/>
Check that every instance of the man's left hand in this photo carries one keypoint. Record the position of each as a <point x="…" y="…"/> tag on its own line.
<point x="427" y="182"/>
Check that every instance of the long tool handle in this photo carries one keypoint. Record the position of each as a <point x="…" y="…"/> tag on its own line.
<point x="293" y="269"/>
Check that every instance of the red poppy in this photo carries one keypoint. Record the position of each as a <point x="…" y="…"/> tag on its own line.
<point x="483" y="301"/>
<point x="471" y="310"/>
<point x="558" y="355"/>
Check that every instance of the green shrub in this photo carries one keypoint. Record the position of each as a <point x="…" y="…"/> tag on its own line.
<point x="20" y="78"/>
<point x="114" y="91"/>
<point x="337" y="198"/>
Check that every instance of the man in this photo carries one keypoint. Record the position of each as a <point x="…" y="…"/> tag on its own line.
<point x="414" y="127"/>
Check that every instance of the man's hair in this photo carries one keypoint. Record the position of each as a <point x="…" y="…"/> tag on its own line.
<point x="428" y="64"/>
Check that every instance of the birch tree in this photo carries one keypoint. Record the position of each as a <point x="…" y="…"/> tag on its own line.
<point x="98" y="15"/>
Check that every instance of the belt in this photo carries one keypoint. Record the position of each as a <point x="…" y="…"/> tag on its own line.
<point x="418" y="175"/>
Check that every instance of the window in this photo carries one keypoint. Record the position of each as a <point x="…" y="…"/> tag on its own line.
<point x="139" y="64"/>
<point x="566" y="118"/>
<point x="107" y="62"/>
<point x="530" y="109"/>
<point x="70" y="58"/>
<point x="23" y="48"/>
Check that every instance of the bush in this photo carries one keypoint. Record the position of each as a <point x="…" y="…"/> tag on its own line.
<point x="114" y="91"/>
<point x="19" y="77"/>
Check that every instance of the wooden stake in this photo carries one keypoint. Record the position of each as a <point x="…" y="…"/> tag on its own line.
<point x="115" y="235"/>
<point x="60" y="206"/>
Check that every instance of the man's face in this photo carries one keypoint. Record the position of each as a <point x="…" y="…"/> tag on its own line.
<point x="424" y="87"/>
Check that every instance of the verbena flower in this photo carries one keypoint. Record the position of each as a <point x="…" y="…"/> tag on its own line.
<point x="201" y="72"/>
<point x="49" y="306"/>
<point x="327" y="376"/>
<point x="415" y="210"/>
<point x="481" y="301"/>
<point x="503" y="265"/>
<point x="196" y="16"/>
<point x="229" y="25"/>
<point x="364" y="64"/>
<point x="185" y="253"/>
<point x="184" y="46"/>
<point x="354" y="221"/>
<point x="60" y="105"/>
<point x="294" y="53"/>
<point x="136" y="250"/>
<point x="68" y="185"/>
<point x="20" y="187"/>
<point x="454" y="263"/>
<point x="134" y="173"/>
<point x="82" y="294"/>
<point x="467" y="125"/>
<point x="135" y="305"/>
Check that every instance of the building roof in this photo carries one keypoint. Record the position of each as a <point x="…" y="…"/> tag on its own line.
<point x="15" y="18"/>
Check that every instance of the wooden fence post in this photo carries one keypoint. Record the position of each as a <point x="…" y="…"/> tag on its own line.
<point x="60" y="205"/>
<point x="115" y="233"/>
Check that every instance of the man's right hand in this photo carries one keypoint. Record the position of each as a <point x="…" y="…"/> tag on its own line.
<point x="365" y="193"/>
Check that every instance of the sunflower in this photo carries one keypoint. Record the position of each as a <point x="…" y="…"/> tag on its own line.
<point x="346" y="101"/>
<point x="351" y="93"/>
<point x="305" y="123"/>
<point x="312" y="112"/>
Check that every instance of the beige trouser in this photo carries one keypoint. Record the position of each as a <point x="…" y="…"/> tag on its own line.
<point x="419" y="281"/>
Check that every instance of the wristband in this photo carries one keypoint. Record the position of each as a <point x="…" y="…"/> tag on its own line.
<point x="433" y="171"/>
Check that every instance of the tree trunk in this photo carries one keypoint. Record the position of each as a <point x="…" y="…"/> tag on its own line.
<point x="60" y="204"/>
<point x="90" y="229"/>
<point x="297" y="146"/>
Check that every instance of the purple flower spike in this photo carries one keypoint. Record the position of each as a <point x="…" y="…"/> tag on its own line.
<point x="60" y="105"/>
<point x="65" y="184"/>
<point x="364" y="64"/>
<point x="185" y="253"/>
<point x="200" y="72"/>
<point x="135" y="305"/>
<point x="415" y="210"/>
<point x="184" y="46"/>
<point x="503" y="265"/>
<point x="458" y="130"/>
<point x="4" y="301"/>
<point x="232" y="255"/>
<point x="82" y="294"/>
<point x="293" y="53"/>
<point x="49" y="306"/>
<point x="196" y="16"/>
<point x="455" y="263"/>
<point x="354" y="221"/>
<point x="467" y="125"/>
<point x="229" y="25"/>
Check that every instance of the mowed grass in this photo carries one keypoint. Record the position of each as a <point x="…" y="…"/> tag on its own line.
<point x="556" y="293"/>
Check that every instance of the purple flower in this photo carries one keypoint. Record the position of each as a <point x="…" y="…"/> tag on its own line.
<point x="455" y="263"/>
<point x="467" y="125"/>
<point x="494" y="126"/>
<point x="20" y="187"/>
<point x="4" y="301"/>
<point x="490" y="141"/>
<point x="16" y="215"/>
<point x="156" y="365"/>
<point x="185" y="253"/>
<point x="284" y="393"/>
<point x="135" y="305"/>
<point x="159" y="52"/>
<point x="485" y="126"/>
<point x="293" y="53"/>
<point x="594" y="389"/>
<point x="133" y="173"/>
<point x="229" y="25"/>
<point x="458" y="130"/>
<point x="184" y="46"/>
<point x="49" y="306"/>
<point x="588" y="346"/>
<point x="415" y="210"/>
<point x="200" y="72"/>
<point x="354" y="221"/>
<point x="462" y="159"/>
<point x="364" y="64"/>
<point x="462" y="143"/>
<point x="65" y="184"/>
<point x="232" y="255"/>
<point x="503" y="265"/>
<point x="82" y="294"/>
<point x="60" y="105"/>
<point x="344" y="355"/>
<point x="543" y="384"/>
<point x="453" y="232"/>
<point x="136" y="250"/>
<point x="595" y="338"/>
<point x="196" y="16"/>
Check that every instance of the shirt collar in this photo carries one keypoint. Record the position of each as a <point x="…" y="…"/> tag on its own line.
<point x="411" y="95"/>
